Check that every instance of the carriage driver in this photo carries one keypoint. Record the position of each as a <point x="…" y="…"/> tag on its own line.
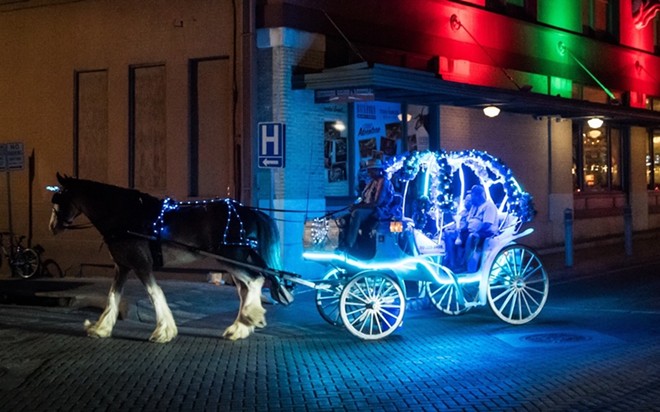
<point x="374" y="202"/>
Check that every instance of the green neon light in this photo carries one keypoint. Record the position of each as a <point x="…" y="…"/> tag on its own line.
<point x="602" y="86"/>
<point x="563" y="49"/>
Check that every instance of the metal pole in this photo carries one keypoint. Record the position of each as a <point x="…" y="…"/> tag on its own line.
<point x="568" y="236"/>
<point x="627" y="228"/>
<point x="9" y="217"/>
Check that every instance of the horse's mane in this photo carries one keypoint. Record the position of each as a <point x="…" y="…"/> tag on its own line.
<point x="114" y="210"/>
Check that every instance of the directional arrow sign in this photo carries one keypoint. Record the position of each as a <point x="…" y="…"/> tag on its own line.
<point x="271" y="145"/>
<point x="266" y="162"/>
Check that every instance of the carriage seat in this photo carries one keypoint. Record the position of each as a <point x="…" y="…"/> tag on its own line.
<point x="428" y="246"/>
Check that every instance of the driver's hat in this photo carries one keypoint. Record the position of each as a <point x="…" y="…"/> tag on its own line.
<point x="375" y="164"/>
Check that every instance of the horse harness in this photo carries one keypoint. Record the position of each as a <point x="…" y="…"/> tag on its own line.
<point x="234" y="233"/>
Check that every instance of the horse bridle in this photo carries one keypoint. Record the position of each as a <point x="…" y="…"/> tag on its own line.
<point x="68" y="223"/>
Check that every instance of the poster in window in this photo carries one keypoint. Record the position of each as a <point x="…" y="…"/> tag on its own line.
<point x="388" y="146"/>
<point x="393" y="130"/>
<point x="367" y="146"/>
<point x="327" y="153"/>
<point x="418" y="135"/>
<point x="341" y="150"/>
<point x="337" y="172"/>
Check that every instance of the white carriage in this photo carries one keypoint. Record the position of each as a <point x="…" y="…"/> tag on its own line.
<point x="366" y="290"/>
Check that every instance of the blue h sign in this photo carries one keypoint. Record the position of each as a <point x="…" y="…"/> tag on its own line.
<point x="271" y="145"/>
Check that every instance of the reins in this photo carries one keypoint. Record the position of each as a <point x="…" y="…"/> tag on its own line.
<point x="324" y="215"/>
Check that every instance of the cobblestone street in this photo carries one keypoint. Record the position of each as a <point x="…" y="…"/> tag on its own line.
<point x="594" y="347"/>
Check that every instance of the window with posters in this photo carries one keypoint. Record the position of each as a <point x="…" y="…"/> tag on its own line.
<point x="378" y="135"/>
<point x="418" y="124"/>
<point x="376" y="132"/>
<point x="335" y="151"/>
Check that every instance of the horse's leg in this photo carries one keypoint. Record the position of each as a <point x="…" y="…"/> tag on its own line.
<point x="166" y="329"/>
<point x="103" y="327"/>
<point x="251" y="313"/>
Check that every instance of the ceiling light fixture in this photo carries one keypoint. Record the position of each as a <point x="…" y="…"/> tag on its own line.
<point x="339" y="126"/>
<point x="408" y="117"/>
<point x="491" y="111"/>
<point x="595" y="122"/>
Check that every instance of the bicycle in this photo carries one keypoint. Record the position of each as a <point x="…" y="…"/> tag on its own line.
<point x="26" y="262"/>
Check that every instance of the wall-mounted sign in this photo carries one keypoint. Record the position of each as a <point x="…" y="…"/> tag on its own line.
<point x="271" y="145"/>
<point x="11" y="156"/>
<point x="347" y="95"/>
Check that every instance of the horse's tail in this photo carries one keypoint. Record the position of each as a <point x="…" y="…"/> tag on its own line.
<point x="269" y="241"/>
<point x="269" y="249"/>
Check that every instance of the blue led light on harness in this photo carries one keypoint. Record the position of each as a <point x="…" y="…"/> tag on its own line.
<point x="233" y="217"/>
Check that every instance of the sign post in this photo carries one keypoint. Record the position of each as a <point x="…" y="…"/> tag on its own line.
<point x="11" y="159"/>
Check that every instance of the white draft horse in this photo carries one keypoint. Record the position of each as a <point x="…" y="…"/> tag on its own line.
<point x="178" y="232"/>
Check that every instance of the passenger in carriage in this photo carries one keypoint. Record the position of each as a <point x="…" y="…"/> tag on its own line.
<point x="481" y="224"/>
<point x="375" y="202"/>
<point x="455" y="235"/>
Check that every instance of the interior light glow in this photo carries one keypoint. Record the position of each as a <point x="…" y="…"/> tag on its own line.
<point x="491" y="111"/>
<point x="339" y="126"/>
<point x="595" y="122"/>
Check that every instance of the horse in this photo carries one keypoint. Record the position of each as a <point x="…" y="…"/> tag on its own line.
<point x="143" y="232"/>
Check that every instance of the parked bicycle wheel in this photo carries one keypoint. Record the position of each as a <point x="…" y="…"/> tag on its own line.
<point x="25" y="263"/>
<point x="50" y="268"/>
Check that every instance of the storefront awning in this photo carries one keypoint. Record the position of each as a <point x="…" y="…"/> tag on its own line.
<point x="396" y="84"/>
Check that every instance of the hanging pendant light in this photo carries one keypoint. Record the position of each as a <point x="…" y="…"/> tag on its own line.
<point x="595" y="122"/>
<point x="491" y="111"/>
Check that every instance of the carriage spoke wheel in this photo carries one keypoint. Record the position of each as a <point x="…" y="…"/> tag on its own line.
<point x="25" y="263"/>
<point x="327" y="300"/>
<point x="372" y="305"/>
<point x="517" y="285"/>
<point x="445" y="296"/>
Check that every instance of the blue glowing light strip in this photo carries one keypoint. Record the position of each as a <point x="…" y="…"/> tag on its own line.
<point x="169" y="205"/>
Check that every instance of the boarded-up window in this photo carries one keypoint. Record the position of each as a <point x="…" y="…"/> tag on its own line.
<point x="91" y="125"/>
<point x="212" y="153"/>
<point x="147" y="129"/>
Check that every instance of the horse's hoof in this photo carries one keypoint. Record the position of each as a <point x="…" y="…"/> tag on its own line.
<point x="237" y="331"/>
<point x="255" y="316"/>
<point x="164" y="334"/>
<point x="93" y="331"/>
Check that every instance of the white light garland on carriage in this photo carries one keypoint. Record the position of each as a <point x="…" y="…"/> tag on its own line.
<point x="170" y="204"/>
<point x="319" y="231"/>
<point x="441" y="169"/>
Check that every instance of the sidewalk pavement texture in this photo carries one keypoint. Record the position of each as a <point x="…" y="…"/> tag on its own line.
<point x="193" y="298"/>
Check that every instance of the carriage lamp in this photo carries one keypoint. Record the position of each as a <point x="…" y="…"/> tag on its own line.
<point x="396" y="226"/>
<point x="491" y="111"/>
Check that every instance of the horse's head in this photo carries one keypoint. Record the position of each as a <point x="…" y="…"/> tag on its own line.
<point x="64" y="209"/>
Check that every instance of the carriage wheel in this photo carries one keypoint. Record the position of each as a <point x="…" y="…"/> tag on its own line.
<point x="446" y="299"/>
<point x="372" y="305"/>
<point x="517" y="285"/>
<point x="327" y="300"/>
